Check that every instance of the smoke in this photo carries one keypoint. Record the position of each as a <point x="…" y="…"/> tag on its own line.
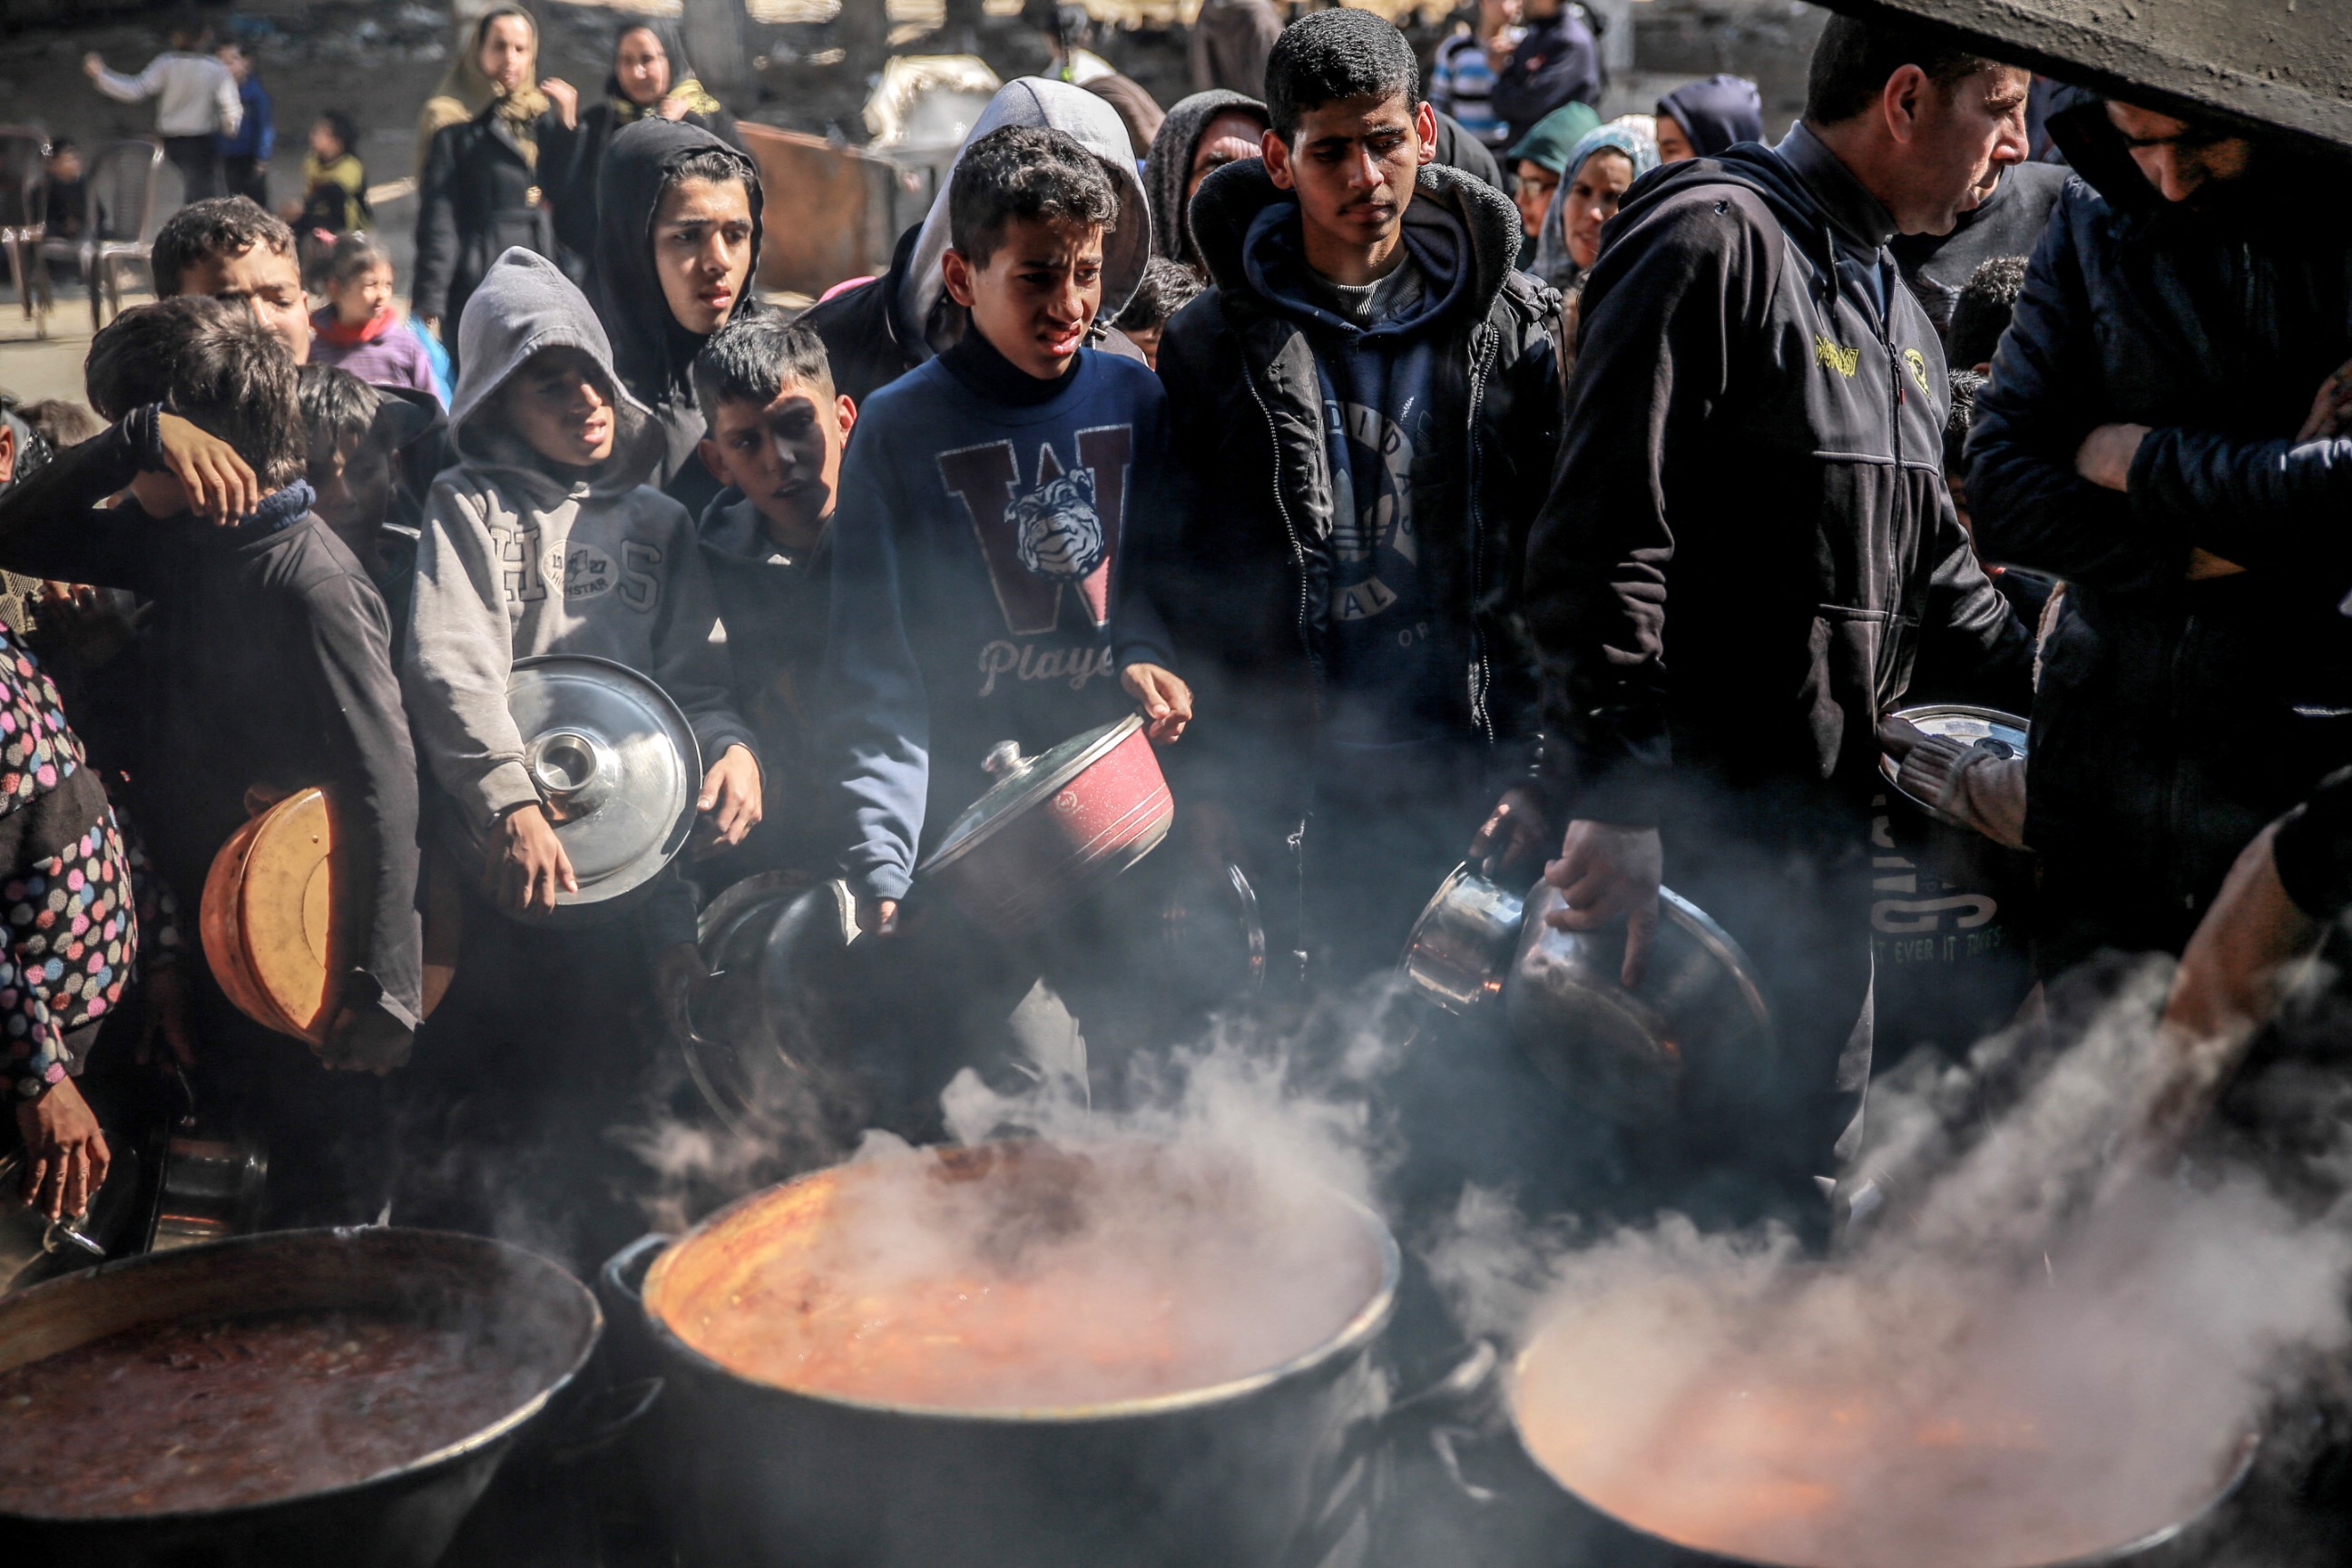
<point x="2028" y="1354"/>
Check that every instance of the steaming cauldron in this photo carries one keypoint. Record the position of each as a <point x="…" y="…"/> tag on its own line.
<point x="1270" y="1470"/>
<point x="535" y="1315"/>
<point x="1526" y="1517"/>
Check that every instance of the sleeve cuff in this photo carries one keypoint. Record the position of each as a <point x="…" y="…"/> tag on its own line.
<point x="502" y="790"/>
<point x="881" y="882"/>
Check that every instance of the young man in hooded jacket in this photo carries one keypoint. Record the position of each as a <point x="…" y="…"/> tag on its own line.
<point x="1366" y="404"/>
<point x="882" y="329"/>
<point x="1753" y="479"/>
<point x="678" y="241"/>
<point x="2148" y="434"/>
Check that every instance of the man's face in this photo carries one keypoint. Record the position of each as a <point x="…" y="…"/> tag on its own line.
<point x="233" y="57"/>
<point x="1353" y="164"/>
<point x="641" y="67"/>
<point x="2179" y="157"/>
<point x="559" y="405"/>
<point x="1038" y="293"/>
<point x="1674" y="143"/>
<point x="785" y="456"/>
<point x="354" y="486"/>
<point x="65" y="165"/>
<point x="702" y="251"/>
<point x="1961" y="136"/>
<point x="268" y="283"/>
<point x="1227" y="138"/>
<point x="1534" y="194"/>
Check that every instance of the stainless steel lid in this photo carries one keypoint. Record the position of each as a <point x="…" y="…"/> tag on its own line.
<point x="615" y="765"/>
<point x="758" y="1031"/>
<point x="1989" y="729"/>
<point x="1021" y="782"/>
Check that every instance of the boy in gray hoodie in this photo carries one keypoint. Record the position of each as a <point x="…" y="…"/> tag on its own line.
<point x="545" y="539"/>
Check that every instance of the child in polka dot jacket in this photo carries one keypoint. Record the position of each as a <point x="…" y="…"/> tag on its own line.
<point x="69" y="929"/>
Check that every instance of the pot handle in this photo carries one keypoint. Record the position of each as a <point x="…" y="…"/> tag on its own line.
<point x="1457" y="1410"/>
<point x="623" y="1278"/>
<point x="604" y="1419"/>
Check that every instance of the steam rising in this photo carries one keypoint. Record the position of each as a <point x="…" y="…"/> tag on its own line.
<point x="2029" y="1357"/>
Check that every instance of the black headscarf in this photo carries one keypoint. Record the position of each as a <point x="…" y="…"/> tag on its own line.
<point x="653" y="355"/>
<point x="1173" y="147"/>
<point x="681" y="73"/>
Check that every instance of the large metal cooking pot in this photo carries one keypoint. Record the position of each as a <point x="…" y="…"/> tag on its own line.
<point x="1052" y="828"/>
<point x="617" y="771"/>
<point x="526" y="1309"/>
<point x="1272" y="1470"/>
<point x="1557" y="1525"/>
<point x="1697" y="1021"/>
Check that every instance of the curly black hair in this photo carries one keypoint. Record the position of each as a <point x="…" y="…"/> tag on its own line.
<point x="1027" y="171"/>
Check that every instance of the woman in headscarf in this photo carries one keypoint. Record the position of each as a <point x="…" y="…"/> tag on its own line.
<point x="483" y="188"/>
<point x="1202" y="134"/>
<point x="1537" y="162"/>
<point x="1701" y="119"/>
<point x="651" y="78"/>
<point x="1599" y="173"/>
<point x="677" y="244"/>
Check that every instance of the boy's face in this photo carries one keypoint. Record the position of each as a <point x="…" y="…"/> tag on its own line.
<point x="1147" y="340"/>
<point x="233" y="57"/>
<point x="354" y="484"/>
<point x="268" y="283"/>
<point x="65" y="164"/>
<point x="1352" y="164"/>
<point x="561" y="407"/>
<point x="1037" y="298"/>
<point x="702" y="250"/>
<point x="325" y="145"/>
<point x="785" y="456"/>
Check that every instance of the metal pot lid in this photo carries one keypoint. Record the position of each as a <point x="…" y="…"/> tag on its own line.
<point x="1987" y="728"/>
<point x="1021" y="782"/>
<point x="1458" y="949"/>
<point x="615" y="765"/>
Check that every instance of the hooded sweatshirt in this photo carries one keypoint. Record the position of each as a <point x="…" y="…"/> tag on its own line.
<point x="879" y="331"/>
<point x="653" y="354"/>
<point x="977" y="594"/>
<point x="1170" y="167"/>
<point x="519" y="558"/>
<point x="1717" y="114"/>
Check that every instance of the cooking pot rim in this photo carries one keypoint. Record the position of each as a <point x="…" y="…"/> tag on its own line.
<point x="482" y="1438"/>
<point x="1361" y="1329"/>
<point x="2249" y="1444"/>
<point x="964" y="834"/>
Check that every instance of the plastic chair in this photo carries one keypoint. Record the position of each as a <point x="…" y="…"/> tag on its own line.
<point x="24" y="207"/>
<point x="120" y="229"/>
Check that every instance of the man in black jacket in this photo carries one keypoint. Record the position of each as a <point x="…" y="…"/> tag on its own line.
<point x="2148" y="435"/>
<point x="1366" y="405"/>
<point x="1556" y="61"/>
<point x="1748" y="550"/>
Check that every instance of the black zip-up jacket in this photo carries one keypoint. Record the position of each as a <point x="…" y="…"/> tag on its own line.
<point x="1243" y="582"/>
<point x="271" y="659"/>
<point x="2174" y="719"/>
<point x="1750" y="545"/>
<point x="479" y="195"/>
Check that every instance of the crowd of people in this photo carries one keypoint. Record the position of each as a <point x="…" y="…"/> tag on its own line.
<point x="1441" y="475"/>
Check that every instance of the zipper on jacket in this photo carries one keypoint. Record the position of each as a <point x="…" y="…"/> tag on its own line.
<point x="1483" y="677"/>
<point x="1298" y="549"/>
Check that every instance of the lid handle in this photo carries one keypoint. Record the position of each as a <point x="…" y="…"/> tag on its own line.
<point x="1003" y="760"/>
<point x="573" y="772"/>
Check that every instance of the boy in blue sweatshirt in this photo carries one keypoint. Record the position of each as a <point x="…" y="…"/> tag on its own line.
<point x="978" y="540"/>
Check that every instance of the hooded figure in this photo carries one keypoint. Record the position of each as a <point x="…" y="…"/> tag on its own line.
<point x="575" y="205"/>
<point x="652" y="353"/>
<point x="878" y="331"/>
<point x="2197" y="680"/>
<point x="1717" y="114"/>
<point x="1170" y="168"/>
<point x="1554" y="264"/>
<point x="476" y="613"/>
